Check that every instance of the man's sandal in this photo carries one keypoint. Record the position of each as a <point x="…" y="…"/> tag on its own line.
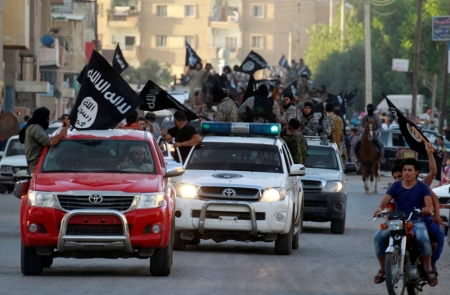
<point x="433" y="281"/>
<point x="379" y="279"/>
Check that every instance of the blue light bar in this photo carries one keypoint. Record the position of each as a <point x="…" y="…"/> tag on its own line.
<point x="272" y="129"/>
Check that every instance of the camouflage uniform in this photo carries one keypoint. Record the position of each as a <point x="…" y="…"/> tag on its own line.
<point x="333" y="129"/>
<point x="290" y="113"/>
<point x="226" y="111"/>
<point x="376" y="128"/>
<point x="298" y="147"/>
<point x="250" y="103"/>
<point x="310" y="126"/>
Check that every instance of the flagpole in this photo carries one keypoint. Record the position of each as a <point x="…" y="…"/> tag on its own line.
<point x="368" y="52"/>
<point x="96" y="26"/>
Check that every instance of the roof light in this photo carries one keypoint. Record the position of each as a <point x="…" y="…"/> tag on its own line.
<point x="241" y="128"/>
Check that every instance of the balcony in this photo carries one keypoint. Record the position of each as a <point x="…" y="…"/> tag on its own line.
<point x="231" y="22"/>
<point x="123" y="21"/>
<point x="32" y="86"/>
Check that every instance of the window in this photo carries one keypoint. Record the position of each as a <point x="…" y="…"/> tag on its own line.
<point x="161" y="10"/>
<point x="397" y="139"/>
<point x="113" y="39"/>
<point x="161" y="41"/>
<point x="189" y="40"/>
<point x="15" y="148"/>
<point x="257" y="42"/>
<point x="129" y="42"/>
<point x="258" y="11"/>
<point x="236" y="157"/>
<point x="231" y="43"/>
<point x="322" y="157"/>
<point x="189" y="11"/>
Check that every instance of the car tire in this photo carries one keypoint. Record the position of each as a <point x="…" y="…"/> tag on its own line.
<point x="179" y="244"/>
<point x="161" y="260"/>
<point x="10" y="188"/>
<point x="31" y="262"/>
<point x="47" y="261"/>
<point x="283" y="243"/>
<point x="338" y="226"/>
<point x="296" y="238"/>
<point x="193" y="242"/>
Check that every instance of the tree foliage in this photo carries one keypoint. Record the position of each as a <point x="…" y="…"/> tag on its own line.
<point x="150" y="70"/>
<point x="342" y="66"/>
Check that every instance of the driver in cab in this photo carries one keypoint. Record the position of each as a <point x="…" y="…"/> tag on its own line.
<point x="134" y="161"/>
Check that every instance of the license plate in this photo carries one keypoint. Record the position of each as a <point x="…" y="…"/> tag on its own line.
<point x="227" y="202"/>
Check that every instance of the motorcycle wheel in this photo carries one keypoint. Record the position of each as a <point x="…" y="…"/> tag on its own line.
<point x="395" y="281"/>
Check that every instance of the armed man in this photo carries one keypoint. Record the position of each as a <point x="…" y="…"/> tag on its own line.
<point x="376" y="130"/>
<point x="333" y="129"/>
<point x="296" y="142"/>
<point x="309" y="123"/>
<point x="226" y="108"/>
<point x="260" y="108"/>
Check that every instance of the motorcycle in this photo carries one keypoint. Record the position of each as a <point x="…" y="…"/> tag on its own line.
<point x="403" y="262"/>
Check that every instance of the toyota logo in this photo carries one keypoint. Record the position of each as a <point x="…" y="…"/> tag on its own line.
<point x="228" y="192"/>
<point x="95" y="199"/>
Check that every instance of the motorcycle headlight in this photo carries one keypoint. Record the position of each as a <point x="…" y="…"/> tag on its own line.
<point x="150" y="200"/>
<point x="7" y="168"/>
<point x="41" y="199"/>
<point x="333" y="187"/>
<point x="395" y="224"/>
<point x="273" y="195"/>
<point x="187" y="191"/>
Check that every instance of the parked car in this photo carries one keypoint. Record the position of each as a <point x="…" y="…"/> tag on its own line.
<point x="12" y="162"/>
<point x="396" y="147"/>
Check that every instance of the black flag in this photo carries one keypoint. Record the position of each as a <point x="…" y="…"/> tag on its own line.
<point x="351" y="97"/>
<point x="252" y="63"/>
<point x="156" y="99"/>
<point x="284" y="63"/>
<point x="415" y="139"/>
<point x="119" y="63"/>
<point x="251" y="88"/>
<point x="105" y="98"/>
<point x="291" y="89"/>
<point x="81" y="75"/>
<point x="191" y="57"/>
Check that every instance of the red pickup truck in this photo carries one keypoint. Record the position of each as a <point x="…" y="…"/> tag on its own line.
<point x="99" y="194"/>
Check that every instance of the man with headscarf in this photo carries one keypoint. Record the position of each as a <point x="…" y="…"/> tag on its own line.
<point x="135" y="160"/>
<point x="333" y="129"/>
<point x="295" y="141"/>
<point x="226" y="108"/>
<point x="309" y="123"/>
<point x="34" y="137"/>
<point x="260" y="108"/>
<point x="376" y="130"/>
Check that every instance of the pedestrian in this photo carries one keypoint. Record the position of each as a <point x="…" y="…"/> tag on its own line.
<point x="208" y="84"/>
<point x="309" y="123"/>
<point x="152" y="124"/>
<point x="198" y="102"/>
<point x="226" y="108"/>
<point x="296" y="142"/>
<point x="197" y="76"/>
<point x="260" y="108"/>
<point x="353" y="141"/>
<point x="183" y="136"/>
<point x="304" y="85"/>
<point x="333" y="129"/>
<point x="65" y="120"/>
<point x="25" y="120"/>
<point x="131" y="121"/>
<point x="34" y="137"/>
<point x="441" y="157"/>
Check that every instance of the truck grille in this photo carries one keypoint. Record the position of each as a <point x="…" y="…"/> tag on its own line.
<point x="315" y="204"/>
<point x="312" y="182"/>
<point x="94" y="230"/>
<point x="312" y="186"/>
<point x="238" y="215"/>
<point x="217" y="192"/>
<point x="71" y="202"/>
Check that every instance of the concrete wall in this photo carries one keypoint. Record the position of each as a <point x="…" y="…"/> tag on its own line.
<point x="16" y="33"/>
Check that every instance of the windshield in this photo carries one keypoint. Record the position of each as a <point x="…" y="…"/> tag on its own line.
<point x="120" y="156"/>
<point x="236" y="157"/>
<point x="15" y="148"/>
<point x="322" y="157"/>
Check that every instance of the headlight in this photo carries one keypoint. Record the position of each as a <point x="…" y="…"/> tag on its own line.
<point x="150" y="200"/>
<point x="7" y="169"/>
<point x="187" y="191"/>
<point x="273" y="195"/>
<point x="395" y="224"/>
<point x="333" y="187"/>
<point x="41" y="199"/>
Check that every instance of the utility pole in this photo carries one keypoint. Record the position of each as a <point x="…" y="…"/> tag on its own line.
<point x="342" y="22"/>
<point x="330" y="20"/>
<point x="415" y="88"/>
<point x="368" y="52"/>
<point x="290" y="47"/>
<point x="445" y="87"/>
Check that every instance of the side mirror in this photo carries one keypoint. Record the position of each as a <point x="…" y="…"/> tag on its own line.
<point x="298" y="170"/>
<point x="350" y="168"/>
<point x="21" y="188"/>
<point x="177" y="171"/>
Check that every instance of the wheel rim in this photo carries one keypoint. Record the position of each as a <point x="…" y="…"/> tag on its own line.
<point x="398" y="281"/>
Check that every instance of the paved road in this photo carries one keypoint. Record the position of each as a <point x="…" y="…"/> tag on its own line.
<point x="324" y="264"/>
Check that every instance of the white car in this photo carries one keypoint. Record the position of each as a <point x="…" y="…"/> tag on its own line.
<point x="443" y="194"/>
<point x="11" y="163"/>
<point x="240" y="187"/>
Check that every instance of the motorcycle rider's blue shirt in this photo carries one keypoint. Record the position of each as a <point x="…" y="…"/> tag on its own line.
<point x="408" y="199"/>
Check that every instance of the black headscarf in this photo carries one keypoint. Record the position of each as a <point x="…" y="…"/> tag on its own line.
<point x="40" y="117"/>
<point x="217" y="94"/>
<point x="370" y="109"/>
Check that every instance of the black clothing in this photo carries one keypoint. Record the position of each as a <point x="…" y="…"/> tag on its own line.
<point x="182" y="135"/>
<point x="40" y="117"/>
<point x="262" y="108"/>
